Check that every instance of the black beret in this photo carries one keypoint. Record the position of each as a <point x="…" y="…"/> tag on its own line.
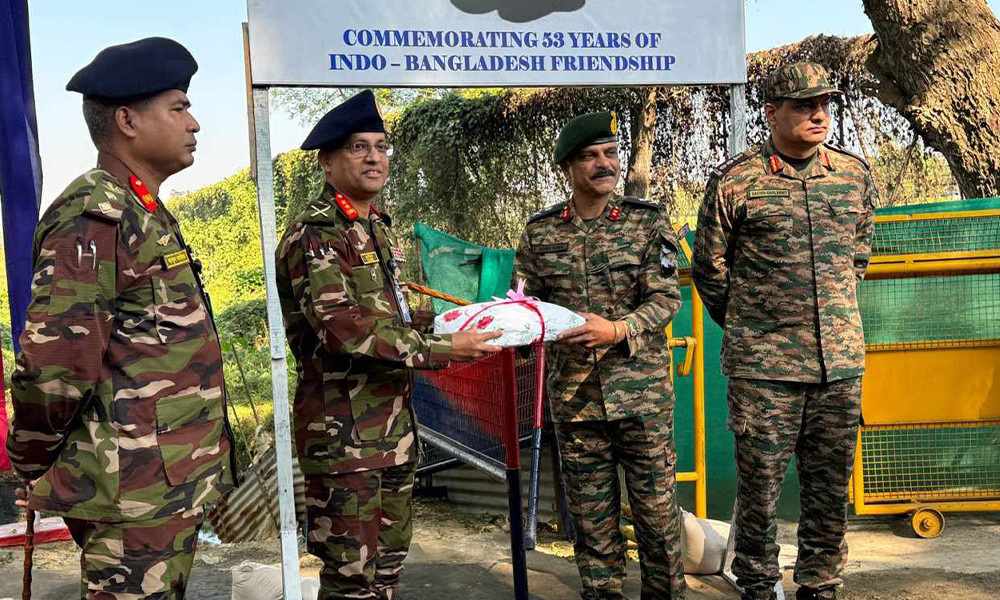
<point x="359" y="114"/>
<point x="136" y="70"/>
<point x="586" y="130"/>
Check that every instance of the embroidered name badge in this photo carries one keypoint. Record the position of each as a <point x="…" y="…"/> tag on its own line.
<point x="552" y="248"/>
<point x="369" y="258"/>
<point x="767" y="193"/>
<point x="176" y="259"/>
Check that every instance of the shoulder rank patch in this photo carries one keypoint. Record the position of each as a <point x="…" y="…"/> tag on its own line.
<point x="369" y="258"/>
<point x="767" y="193"/>
<point x="846" y="152"/>
<point x="176" y="259"/>
<point x="546" y="212"/>
<point x="719" y="171"/>
<point x="642" y="203"/>
<point x="552" y="248"/>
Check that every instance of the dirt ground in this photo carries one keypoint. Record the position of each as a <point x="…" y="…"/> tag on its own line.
<point x="462" y="556"/>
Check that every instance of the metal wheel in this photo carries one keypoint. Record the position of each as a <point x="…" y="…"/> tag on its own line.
<point x="927" y="523"/>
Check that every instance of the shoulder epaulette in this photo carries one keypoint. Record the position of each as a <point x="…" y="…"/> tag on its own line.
<point x="719" y="171"/>
<point x="94" y="193"/>
<point x="846" y="152"/>
<point x="642" y="203"/>
<point x="545" y="212"/>
<point x="386" y="219"/>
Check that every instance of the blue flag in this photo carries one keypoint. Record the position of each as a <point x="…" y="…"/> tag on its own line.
<point x="20" y="167"/>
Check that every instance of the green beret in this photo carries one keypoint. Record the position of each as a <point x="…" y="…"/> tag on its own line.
<point x="586" y="130"/>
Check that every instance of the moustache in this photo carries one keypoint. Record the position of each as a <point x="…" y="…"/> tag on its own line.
<point x="603" y="173"/>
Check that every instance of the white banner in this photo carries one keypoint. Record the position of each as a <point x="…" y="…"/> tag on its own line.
<point x="468" y="43"/>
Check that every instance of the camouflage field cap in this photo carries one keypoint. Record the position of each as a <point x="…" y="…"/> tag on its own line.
<point x="798" y="80"/>
<point x="585" y="130"/>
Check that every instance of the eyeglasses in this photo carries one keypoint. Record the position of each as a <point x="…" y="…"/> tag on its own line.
<point x="362" y="149"/>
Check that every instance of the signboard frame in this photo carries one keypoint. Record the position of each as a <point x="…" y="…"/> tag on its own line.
<point x="258" y="114"/>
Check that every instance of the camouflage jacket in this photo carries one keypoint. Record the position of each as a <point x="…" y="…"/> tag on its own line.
<point x="348" y="327"/>
<point x="118" y="391"/>
<point x="777" y="260"/>
<point x="622" y="265"/>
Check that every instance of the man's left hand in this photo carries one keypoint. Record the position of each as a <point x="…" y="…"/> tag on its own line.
<point x="597" y="332"/>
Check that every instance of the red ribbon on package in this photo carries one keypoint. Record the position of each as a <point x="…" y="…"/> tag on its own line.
<point x="513" y="297"/>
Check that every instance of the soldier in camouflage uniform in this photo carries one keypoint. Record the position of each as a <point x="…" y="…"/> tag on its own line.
<point x="783" y="241"/>
<point x="613" y="260"/>
<point x="349" y="326"/>
<point x="119" y="399"/>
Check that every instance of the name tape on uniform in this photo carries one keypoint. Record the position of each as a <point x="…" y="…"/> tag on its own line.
<point x="176" y="259"/>
<point x="369" y="258"/>
<point x="552" y="248"/>
<point x="768" y="193"/>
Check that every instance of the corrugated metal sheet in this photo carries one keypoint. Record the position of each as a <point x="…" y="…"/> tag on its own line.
<point x="250" y="512"/>
<point x="476" y="491"/>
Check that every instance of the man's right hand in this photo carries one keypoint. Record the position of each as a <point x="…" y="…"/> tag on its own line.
<point x="469" y="345"/>
<point x="22" y="492"/>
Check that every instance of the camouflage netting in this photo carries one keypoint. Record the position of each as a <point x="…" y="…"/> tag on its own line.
<point x="476" y="165"/>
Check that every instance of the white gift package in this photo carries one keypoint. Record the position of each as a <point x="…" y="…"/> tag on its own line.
<point x="522" y="319"/>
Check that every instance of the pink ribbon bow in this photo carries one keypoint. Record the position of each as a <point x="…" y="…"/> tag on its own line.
<point x="513" y="297"/>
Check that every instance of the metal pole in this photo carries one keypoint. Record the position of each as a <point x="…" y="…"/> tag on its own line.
<point x="292" y="586"/>
<point x="536" y="447"/>
<point x="700" y="464"/>
<point x="512" y="447"/>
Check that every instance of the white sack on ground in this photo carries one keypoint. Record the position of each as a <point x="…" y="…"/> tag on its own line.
<point x="254" y="581"/>
<point x="704" y="549"/>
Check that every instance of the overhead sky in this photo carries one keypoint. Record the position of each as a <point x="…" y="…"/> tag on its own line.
<point x="67" y="35"/>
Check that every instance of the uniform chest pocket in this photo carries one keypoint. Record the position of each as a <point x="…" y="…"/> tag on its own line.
<point x="556" y="275"/>
<point x="623" y="269"/>
<point x="847" y="208"/>
<point x="189" y="434"/>
<point x="769" y="213"/>
<point x="367" y="279"/>
<point x="178" y="307"/>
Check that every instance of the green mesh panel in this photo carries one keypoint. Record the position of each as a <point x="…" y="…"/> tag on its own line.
<point x="931" y="462"/>
<point x="933" y="310"/>
<point x="928" y="310"/>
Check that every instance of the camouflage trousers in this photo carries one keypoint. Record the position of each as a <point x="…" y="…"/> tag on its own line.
<point x="148" y="560"/>
<point x="590" y="453"/>
<point x="360" y="526"/>
<point x="771" y="420"/>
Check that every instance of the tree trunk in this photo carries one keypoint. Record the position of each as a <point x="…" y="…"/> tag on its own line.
<point x="640" y="160"/>
<point x="937" y="63"/>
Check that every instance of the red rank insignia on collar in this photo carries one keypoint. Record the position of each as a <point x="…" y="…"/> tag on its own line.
<point x="615" y="214"/>
<point x="345" y="206"/>
<point x="826" y="159"/>
<point x="567" y="216"/>
<point x="775" y="164"/>
<point x="140" y="190"/>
